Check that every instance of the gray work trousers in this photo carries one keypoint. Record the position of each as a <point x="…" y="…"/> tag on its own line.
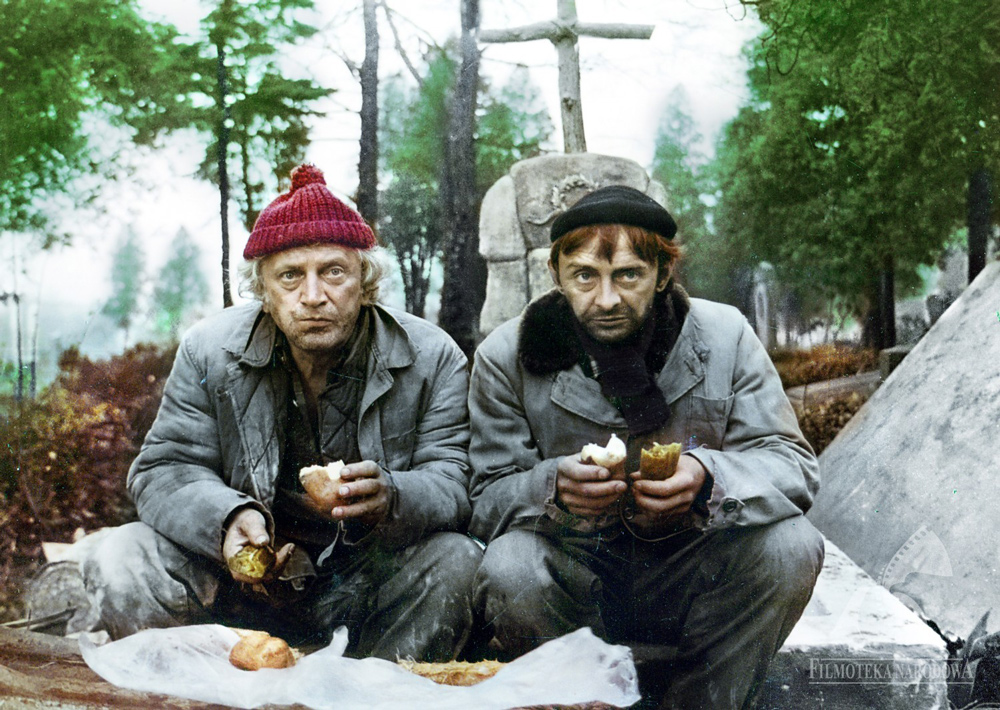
<point x="727" y="599"/>
<point x="415" y="602"/>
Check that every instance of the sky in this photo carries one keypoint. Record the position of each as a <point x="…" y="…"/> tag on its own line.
<point x="696" y="44"/>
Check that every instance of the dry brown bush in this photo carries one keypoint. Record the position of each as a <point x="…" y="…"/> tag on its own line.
<point x="822" y="362"/>
<point x="821" y="422"/>
<point x="65" y="456"/>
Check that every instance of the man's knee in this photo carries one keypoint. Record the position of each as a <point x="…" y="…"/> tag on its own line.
<point x="515" y="565"/>
<point x="131" y="577"/>
<point x="451" y="559"/>
<point x="787" y="556"/>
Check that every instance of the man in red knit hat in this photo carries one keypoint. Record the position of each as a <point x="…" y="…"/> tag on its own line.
<point x="311" y="373"/>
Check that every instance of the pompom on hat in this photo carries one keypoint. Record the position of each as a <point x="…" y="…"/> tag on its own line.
<point x="616" y="204"/>
<point x="307" y="214"/>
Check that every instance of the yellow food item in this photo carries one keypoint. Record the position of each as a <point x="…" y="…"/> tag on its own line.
<point x="611" y="457"/>
<point x="455" y="672"/>
<point x="258" y="649"/>
<point x="322" y="482"/>
<point x="659" y="462"/>
<point x="254" y="562"/>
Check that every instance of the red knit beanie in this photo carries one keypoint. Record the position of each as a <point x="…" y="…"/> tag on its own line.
<point x="307" y="214"/>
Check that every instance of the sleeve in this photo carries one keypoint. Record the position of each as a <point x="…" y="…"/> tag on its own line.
<point x="433" y="495"/>
<point x="176" y="480"/>
<point x="512" y="485"/>
<point x="765" y="471"/>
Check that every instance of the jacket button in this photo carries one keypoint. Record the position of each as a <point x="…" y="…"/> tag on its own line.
<point x="729" y="506"/>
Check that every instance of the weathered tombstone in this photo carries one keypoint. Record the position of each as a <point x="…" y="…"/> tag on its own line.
<point x="763" y="314"/>
<point x="910" y="486"/>
<point x="518" y="211"/>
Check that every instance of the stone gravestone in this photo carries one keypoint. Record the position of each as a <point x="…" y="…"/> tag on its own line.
<point x="517" y="213"/>
<point x="911" y="485"/>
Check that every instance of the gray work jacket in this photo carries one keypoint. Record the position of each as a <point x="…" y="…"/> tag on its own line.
<point x="725" y="397"/>
<point x="218" y="437"/>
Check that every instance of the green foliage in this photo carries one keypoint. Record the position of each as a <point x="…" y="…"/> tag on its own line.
<point x="181" y="286"/>
<point x="413" y="132"/>
<point x="410" y="223"/>
<point x="513" y="125"/>
<point x="265" y="112"/>
<point x="127" y="267"/>
<point x="867" y="119"/>
<point x="414" y="122"/>
<point x="710" y="262"/>
<point x="65" y="456"/>
<point x="65" y="67"/>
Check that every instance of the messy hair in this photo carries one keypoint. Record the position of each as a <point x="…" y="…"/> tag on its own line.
<point x="649" y="246"/>
<point x="373" y="268"/>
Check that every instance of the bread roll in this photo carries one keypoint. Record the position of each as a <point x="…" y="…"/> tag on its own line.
<point x="322" y="482"/>
<point x="258" y="649"/>
<point x="659" y="462"/>
<point x="611" y="457"/>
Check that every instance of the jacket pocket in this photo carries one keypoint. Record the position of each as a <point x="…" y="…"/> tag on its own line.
<point x="709" y="419"/>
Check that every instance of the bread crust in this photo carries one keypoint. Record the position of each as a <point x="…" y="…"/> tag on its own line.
<point x="322" y="482"/>
<point x="258" y="649"/>
<point x="659" y="462"/>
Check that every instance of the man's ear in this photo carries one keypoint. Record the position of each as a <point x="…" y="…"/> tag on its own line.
<point x="554" y="274"/>
<point x="663" y="280"/>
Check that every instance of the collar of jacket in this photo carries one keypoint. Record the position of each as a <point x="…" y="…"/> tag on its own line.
<point x="547" y="341"/>
<point x="253" y="340"/>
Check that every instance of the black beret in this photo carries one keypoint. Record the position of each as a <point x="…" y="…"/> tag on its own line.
<point x="616" y="204"/>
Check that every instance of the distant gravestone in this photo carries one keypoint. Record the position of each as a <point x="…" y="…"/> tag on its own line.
<point x="518" y="211"/>
<point x="910" y="487"/>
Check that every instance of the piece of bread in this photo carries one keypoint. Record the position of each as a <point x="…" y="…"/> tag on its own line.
<point x="322" y="482"/>
<point x="258" y="649"/>
<point x="253" y="562"/>
<point x="612" y="456"/>
<point x="462" y="673"/>
<point x="659" y="462"/>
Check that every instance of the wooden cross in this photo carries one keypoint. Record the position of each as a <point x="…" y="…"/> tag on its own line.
<point x="563" y="33"/>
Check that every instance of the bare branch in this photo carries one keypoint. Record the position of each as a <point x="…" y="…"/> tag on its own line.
<point x="399" y="45"/>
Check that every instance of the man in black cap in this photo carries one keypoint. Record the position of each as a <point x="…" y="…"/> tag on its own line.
<point x="716" y="560"/>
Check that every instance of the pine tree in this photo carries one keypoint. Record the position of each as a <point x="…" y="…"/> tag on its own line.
<point x="127" y="278"/>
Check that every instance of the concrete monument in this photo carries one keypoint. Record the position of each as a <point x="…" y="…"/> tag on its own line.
<point x="910" y="485"/>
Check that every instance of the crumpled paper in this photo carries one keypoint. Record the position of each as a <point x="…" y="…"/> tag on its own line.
<point x="193" y="662"/>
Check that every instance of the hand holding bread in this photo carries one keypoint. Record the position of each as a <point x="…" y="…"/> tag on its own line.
<point x="612" y="456"/>
<point x="322" y="483"/>
<point x="659" y="462"/>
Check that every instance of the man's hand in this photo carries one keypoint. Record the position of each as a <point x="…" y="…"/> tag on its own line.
<point x="658" y="500"/>
<point x="249" y="529"/>
<point x="364" y="492"/>
<point x="586" y="489"/>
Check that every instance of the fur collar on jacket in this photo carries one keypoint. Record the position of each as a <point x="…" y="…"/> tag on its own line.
<point x="547" y="342"/>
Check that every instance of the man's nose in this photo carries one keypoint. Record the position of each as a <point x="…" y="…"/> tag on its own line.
<point x="313" y="293"/>
<point x="607" y="296"/>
